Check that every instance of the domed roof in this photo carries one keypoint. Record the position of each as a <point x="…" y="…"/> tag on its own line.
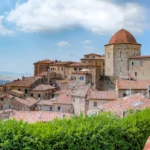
<point x="122" y="36"/>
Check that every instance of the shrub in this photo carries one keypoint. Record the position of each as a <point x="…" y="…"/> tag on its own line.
<point x="101" y="132"/>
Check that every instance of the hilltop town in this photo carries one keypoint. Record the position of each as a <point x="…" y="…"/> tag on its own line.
<point x="116" y="81"/>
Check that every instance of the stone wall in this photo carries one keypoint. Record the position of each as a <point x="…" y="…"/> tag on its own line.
<point x="117" y="58"/>
<point x="139" y="68"/>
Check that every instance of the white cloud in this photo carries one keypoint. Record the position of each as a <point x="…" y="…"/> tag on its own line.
<point x="63" y="44"/>
<point x="89" y="48"/>
<point x="3" y="30"/>
<point x="98" y="16"/>
<point x="86" y="42"/>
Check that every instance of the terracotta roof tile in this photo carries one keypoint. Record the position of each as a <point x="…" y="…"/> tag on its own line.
<point x="103" y="95"/>
<point x="26" y="82"/>
<point x="46" y="61"/>
<point x="43" y="87"/>
<point x="139" y="57"/>
<point x="80" y="64"/>
<point x="37" y="116"/>
<point x="133" y="84"/>
<point x="136" y="101"/>
<point x="123" y="36"/>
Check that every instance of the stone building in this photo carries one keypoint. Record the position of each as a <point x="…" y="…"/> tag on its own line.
<point x="99" y="98"/>
<point x="61" y="68"/>
<point x="139" y="67"/>
<point x="128" y="87"/>
<point x="8" y="101"/>
<point x="94" y="71"/>
<point x="42" y="66"/>
<point x="97" y="60"/>
<point x="43" y="92"/>
<point x="120" y="48"/>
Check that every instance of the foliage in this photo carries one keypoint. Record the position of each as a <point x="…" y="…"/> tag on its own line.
<point x="102" y="132"/>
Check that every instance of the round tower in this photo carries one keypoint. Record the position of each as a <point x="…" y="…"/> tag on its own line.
<point x="121" y="46"/>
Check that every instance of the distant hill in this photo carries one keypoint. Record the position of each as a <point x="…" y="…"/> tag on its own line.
<point x="10" y="76"/>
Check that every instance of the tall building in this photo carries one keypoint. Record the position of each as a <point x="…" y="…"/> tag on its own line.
<point x="42" y="66"/>
<point x="120" y="48"/>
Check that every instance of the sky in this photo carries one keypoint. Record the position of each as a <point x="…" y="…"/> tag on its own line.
<point x="33" y="30"/>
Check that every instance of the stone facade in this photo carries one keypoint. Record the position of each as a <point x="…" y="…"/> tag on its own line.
<point x="139" y="68"/>
<point x="42" y="66"/>
<point x="117" y="58"/>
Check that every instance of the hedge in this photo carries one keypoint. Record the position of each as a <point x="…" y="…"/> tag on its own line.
<point x="100" y="132"/>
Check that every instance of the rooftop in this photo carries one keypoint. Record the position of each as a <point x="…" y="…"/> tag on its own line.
<point x="123" y="36"/>
<point x="80" y="64"/>
<point x="28" y="101"/>
<point x="139" y="57"/>
<point x="134" y="102"/>
<point x="43" y="87"/>
<point x="103" y="95"/>
<point x="46" y="61"/>
<point x="93" y="54"/>
<point x="81" y="91"/>
<point x="132" y="84"/>
<point x="26" y="82"/>
<point x="37" y="116"/>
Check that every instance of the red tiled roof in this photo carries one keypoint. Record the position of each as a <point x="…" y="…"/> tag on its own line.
<point x="65" y="63"/>
<point x="137" y="101"/>
<point x="43" y="87"/>
<point x="64" y="97"/>
<point x="46" y="61"/>
<point x="92" y="54"/>
<point x="147" y="145"/>
<point x="37" y="116"/>
<point x="122" y="36"/>
<point x="103" y="95"/>
<point x="133" y="84"/>
<point x="80" y="64"/>
<point x="26" y="82"/>
<point x="28" y="101"/>
<point x="139" y="57"/>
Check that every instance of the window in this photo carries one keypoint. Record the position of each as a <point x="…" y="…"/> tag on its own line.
<point x="87" y="56"/>
<point x="141" y="63"/>
<point x="45" y="94"/>
<point x="73" y="100"/>
<point x="108" y="55"/>
<point x="41" y="80"/>
<point x="50" y="108"/>
<point x="1" y="99"/>
<point x="135" y="74"/>
<point x="26" y="91"/>
<point x="132" y="63"/>
<point x="75" y="69"/>
<point x="93" y="56"/>
<point x="32" y="95"/>
<point x="120" y="54"/>
<point x="81" y="78"/>
<point x="19" y="89"/>
<point x="80" y="69"/>
<point x="95" y="104"/>
<point x="39" y="95"/>
<point x="59" y="108"/>
<point x="47" y="67"/>
<point x="124" y="94"/>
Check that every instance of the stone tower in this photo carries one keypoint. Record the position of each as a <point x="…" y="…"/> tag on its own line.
<point x="121" y="46"/>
